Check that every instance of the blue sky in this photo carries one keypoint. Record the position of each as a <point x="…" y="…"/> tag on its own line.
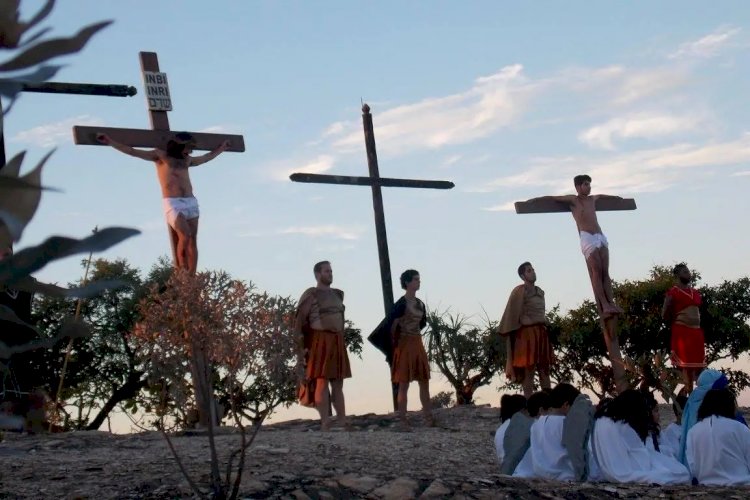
<point x="508" y="100"/>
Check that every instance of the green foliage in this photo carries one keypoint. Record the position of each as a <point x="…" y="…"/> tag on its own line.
<point x="103" y="370"/>
<point x="644" y="337"/>
<point x="467" y="355"/>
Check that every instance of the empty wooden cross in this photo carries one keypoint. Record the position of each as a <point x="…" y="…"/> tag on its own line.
<point x="376" y="182"/>
<point x="159" y="102"/>
<point x="608" y="321"/>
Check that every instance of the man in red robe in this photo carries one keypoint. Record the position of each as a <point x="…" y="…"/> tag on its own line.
<point x="682" y="312"/>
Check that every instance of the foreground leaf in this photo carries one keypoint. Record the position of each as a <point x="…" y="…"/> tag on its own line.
<point x="53" y="48"/>
<point x="30" y="260"/>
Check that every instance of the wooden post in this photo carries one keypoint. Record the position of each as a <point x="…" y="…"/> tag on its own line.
<point x="375" y="182"/>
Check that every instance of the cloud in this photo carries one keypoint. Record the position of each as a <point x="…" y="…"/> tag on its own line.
<point x="216" y="129"/>
<point x="322" y="163"/>
<point x="491" y="103"/>
<point x="708" y="45"/>
<point x="650" y="170"/>
<point x="329" y="231"/>
<point x="505" y="207"/>
<point x="52" y="134"/>
<point x="637" y="125"/>
<point x="744" y="173"/>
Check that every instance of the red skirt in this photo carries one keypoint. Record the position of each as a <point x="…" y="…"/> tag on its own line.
<point x="532" y="348"/>
<point x="410" y="360"/>
<point x="688" y="347"/>
<point x="327" y="357"/>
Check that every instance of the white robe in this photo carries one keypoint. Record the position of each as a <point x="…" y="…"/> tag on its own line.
<point x="499" y="435"/>
<point x="623" y="458"/>
<point x="549" y="458"/>
<point x="718" y="451"/>
<point x="669" y="440"/>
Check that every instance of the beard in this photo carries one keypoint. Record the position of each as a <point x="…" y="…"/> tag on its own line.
<point x="685" y="281"/>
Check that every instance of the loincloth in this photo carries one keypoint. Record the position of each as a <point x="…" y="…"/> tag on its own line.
<point x="591" y="242"/>
<point x="174" y="207"/>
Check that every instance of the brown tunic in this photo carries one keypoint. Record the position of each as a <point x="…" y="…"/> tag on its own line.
<point x="409" y="356"/>
<point x="527" y="344"/>
<point x="323" y="329"/>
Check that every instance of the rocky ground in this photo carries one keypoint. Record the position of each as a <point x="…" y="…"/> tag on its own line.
<point x="294" y="460"/>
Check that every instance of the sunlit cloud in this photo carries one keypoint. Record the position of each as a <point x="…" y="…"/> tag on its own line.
<point x="504" y="207"/>
<point x="490" y="104"/>
<point x="328" y="231"/>
<point x="637" y="125"/>
<point x="634" y="172"/>
<point x="52" y="134"/>
<point x="707" y="46"/>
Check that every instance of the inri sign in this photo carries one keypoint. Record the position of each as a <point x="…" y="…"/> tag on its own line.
<point x="157" y="91"/>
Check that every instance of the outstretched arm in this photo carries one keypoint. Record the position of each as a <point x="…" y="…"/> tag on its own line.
<point x="200" y="160"/>
<point x="138" y="153"/>
<point x="568" y="198"/>
<point x="606" y="197"/>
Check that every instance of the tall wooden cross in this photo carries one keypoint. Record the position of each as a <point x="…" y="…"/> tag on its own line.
<point x="159" y="103"/>
<point x="608" y="322"/>
<point x="70" y="88"/>
<point x="375" y="182"/>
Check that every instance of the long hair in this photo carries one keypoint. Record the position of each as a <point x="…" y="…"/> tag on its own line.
<point x="630" y="406"/>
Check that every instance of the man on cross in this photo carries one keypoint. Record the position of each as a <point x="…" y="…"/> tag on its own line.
<point x="594" y="244"/>
<point x="180" y="206"/>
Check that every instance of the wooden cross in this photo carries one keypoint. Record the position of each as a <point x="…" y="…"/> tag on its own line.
<point x="159" y="102"/>
<point x="608" y="322"/>
<point x="375" y="182"/>
<point x="70" y="88"/>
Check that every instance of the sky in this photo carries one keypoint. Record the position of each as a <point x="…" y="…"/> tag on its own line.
<point x="509" y="100"/>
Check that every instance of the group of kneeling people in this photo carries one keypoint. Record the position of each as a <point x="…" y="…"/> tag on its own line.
<point x="559" y="434"/>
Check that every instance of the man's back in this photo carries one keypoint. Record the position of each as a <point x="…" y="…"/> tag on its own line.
<point x="549" y="456"/>
<point x="718" y="451"/>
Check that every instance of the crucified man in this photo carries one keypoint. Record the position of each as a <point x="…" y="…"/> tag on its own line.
<point x="593" y="242"/>
<point x="180" y="206"/>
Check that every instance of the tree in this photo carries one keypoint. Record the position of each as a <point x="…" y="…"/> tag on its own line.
<point x="644" y="337"/>
<point x="467" y="355"/>
<point x="209" y="338"/>
<point x="103" y="369"/>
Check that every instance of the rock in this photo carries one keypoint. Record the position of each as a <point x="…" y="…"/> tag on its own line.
<point x="300" y="495"/>
<point x="398" y="489"/>
<point x="436" y="489"/>
<point x="360" y="484"/>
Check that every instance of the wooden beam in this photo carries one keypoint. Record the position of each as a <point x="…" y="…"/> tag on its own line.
<point x="370" y="181"/>
<point x="144" y="138"/>
<point x="80" y="89"/>
<point x="552" y="206"/>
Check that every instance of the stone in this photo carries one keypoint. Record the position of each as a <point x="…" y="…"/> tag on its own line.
<point x="436" y="489"/>
<point x="360" y="484"/>
<point x="398" y="489"/>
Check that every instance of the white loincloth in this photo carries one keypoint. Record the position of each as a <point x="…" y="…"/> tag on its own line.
<point x="590" y="242"/>
<point x="187" y="207"/>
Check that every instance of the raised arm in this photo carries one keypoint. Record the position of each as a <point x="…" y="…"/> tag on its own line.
<point x="200" y="160"/>
<point x="150" y="155"/>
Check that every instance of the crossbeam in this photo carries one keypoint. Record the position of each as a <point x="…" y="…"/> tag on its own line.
<point x="143" y="138"/>
<point x="80" y="89"/>
<point x="370" y="181"/>
<point x="552" y="206"/>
